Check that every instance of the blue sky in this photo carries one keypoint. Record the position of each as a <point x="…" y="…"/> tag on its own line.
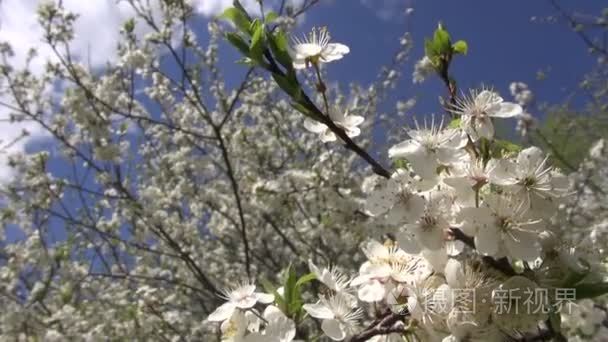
<point x="505" y="45"/>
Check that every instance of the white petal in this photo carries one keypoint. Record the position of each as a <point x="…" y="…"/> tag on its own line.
<point x="414" y="307"/>
<point x="438" y="259"/>
<point x="352" y="131"/>
<point x="264" y="298"/>
<point x="314" y="269"/>
<point x="450" y="338"/>
<point x="430" y="238"/>
<point x="381" y="200"/>
<point x="333" y="329"/>
<point x="299" y="64"/>
<point x="457" y="138"/>
<point x="448" y="156"/>
<point x="279" y="326"/>
<point x="333" y="52"/>
<point x="306" y="50"/>
<point x="337" y="48"/>
<point x="454" y="248"/>
<point x="507" y="110"/>
<point x="541" y="207"/>
<point x="424" y="164"/>
<point x="454" y="274"/>
<point x="474" y="219"/>
<point x="246" y="302"/>
<point x="328" y="136"/>
<point x="373" y="291"/>
<point x="463" y="189"/>
<point x="503" y="173"/>
<point x="319" y="311"/>
<point x="407" y="241"/>
<point x="252" y="320"/>
<point x="522" y="245"/>
<point x="415" y="206"/>
<point x="361" y="279"/>
<point x="406" y="210"/>
<point x="484" y="129"/>
<point x="488" y="97"/>
<point x="314" y="126"/>
<point x="487" y="239"/>
<point x="404" y="149"/>
<point x="237" y="323"/>
<point x="397" y="214"/>
<point x="353" y="120"/>
<point x="222" y="313"/>
<point x="530" y="158"/>
<point x="256" y="337"/>
<point x="379" y="270"/>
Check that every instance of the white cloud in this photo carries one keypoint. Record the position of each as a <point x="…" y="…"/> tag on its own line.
<point x="388" y="9"/>
<point x="214" y="7"/>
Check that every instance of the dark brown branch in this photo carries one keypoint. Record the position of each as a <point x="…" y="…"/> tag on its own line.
<point x="386" y="325"/>
<point x="348" y="142"/>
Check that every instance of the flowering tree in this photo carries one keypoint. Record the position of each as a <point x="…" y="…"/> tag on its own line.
<point x="190" y="210"/>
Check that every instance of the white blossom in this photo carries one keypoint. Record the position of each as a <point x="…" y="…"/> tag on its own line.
<point x="279" y="328"/>
<point x="502" y="226"/>
<point x="477" y="110"/>
<point x="532" y="180"/>
<point x="342" y="119"/>
<point x="242" y="297"/>
<point x="339" y="318"/>
<point x="332" y="278"/>
<point x="316" y="47"/>
<point x="422" y="70"/>
<point x="430" y="147"/>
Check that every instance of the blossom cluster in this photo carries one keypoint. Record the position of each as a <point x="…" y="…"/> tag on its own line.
<point x="464" y="212"/>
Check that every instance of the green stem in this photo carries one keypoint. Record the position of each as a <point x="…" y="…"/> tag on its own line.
<point x="321" y="87"/>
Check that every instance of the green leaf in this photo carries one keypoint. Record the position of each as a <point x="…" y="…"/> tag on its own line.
<point x="441" y="41"/>
<point x="302" y="109"/>
<point x="279" y="46"/>
<point x="460" y="47"/>
<point x="584" y="291"/>
<point x="305" y="279"/>
<point x="129" y="25"/>
<point x="237" y="4"/>
<point x="238" y="17"/>
<point x="238" y="42"/>
<point x="270" y="17"/>
<point x="256" y="48"/>
<point x="429" y="48"/>
<point x="287" y="84"/>
<point x="293" y="298"/>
